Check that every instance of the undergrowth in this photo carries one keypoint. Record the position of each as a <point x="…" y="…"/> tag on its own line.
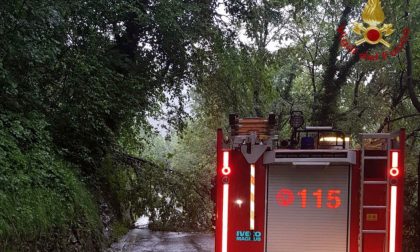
<point x="43" y="204"/>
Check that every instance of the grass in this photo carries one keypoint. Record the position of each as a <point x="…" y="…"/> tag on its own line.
<point x="35" y="214"/>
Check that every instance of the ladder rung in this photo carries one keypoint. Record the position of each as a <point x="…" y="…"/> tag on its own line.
<point x="375" y="207"/>
<point x="376" y="157"/>
<point x="374" y="231"/>
<point x="373" y="182"/>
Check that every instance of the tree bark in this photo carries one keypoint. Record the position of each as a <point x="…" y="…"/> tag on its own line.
<point x="356" y="90"/>
<point x="334" y="78"/>
<point x="396" y="100"/>
<point x="322" y="105"/>
<point x="259" y="82"/>
<point x="410" y="84"/>
<point x="409" y="58"/>
<point x="418" y="203"/>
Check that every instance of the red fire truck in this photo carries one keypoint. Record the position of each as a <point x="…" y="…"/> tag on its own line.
<point x="310" y="193"/>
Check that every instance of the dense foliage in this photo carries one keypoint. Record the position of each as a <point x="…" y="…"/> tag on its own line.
<point x="76" y="77"/>
<point x="43" y="205"/>
<point x="79" y="79"/>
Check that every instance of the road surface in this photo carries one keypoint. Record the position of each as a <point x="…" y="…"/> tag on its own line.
<point x="144" y="240"/>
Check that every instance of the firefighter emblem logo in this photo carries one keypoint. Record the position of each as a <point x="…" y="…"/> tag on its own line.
<point x="373" y="15"/>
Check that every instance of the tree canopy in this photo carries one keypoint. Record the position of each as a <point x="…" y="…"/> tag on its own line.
<point x="80" y="80"/>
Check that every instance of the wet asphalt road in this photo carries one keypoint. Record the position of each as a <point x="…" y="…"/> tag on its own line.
<point x="144" y="240"/>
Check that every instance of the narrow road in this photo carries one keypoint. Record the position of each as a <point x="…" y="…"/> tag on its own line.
<point x="144" y="240"/>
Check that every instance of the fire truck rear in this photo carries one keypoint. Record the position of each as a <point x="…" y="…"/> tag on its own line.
<point x="309" y="193"/>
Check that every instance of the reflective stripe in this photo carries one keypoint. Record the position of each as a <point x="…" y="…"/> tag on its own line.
<point x="252" y="199"/>
<point x="225" y="217"/>
<point x="393" y="219"/>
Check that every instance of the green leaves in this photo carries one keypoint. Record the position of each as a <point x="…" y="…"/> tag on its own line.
<point x="92" y="66"/>
<point x="39" y="194"/>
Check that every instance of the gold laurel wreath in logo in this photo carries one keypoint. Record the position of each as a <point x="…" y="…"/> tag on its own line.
<point x="374" y="16"/>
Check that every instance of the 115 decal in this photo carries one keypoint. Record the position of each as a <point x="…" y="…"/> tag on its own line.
<point x="286" y="197"/>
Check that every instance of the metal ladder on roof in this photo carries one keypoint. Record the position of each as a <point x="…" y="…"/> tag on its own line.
<point x="380" y="156"/>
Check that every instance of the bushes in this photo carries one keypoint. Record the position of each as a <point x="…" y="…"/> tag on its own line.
<point x="43" y="218"/>
<point x="42" y="202"/>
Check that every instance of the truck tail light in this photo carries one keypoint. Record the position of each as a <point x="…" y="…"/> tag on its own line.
<point x="225" y="217"/>
<point x="393" y="219"/>
<point x="394" y="171"/>
<point x="226" y="169"/>
<point x="225" y="211"/>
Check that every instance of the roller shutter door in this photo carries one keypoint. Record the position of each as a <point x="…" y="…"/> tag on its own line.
<point x="307" y="208"/>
